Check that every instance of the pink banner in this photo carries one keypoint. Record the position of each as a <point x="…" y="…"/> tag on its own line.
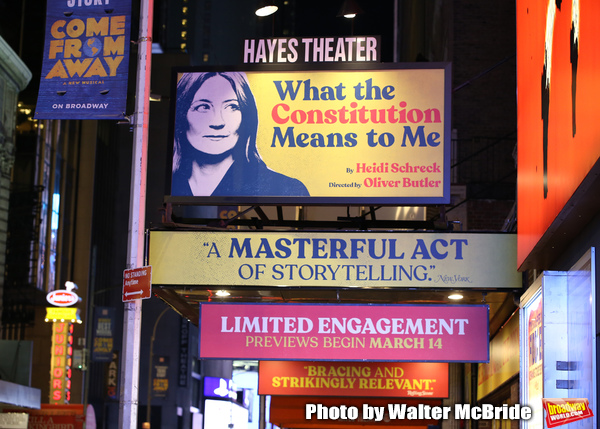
<point x="426" y="333"/>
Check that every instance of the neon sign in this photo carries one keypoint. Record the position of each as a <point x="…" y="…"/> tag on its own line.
<point x="61" y="361"/>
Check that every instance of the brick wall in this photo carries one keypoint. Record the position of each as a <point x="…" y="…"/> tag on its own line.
<point x="488" y="215"/>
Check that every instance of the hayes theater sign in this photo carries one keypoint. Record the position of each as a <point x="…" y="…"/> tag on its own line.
<point x="326" y="259"/>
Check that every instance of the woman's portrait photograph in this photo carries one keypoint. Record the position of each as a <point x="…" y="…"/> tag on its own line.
<point x="215" y="141"/>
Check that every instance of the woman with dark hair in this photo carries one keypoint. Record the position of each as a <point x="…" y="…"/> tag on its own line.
<point x="214" y="152"/>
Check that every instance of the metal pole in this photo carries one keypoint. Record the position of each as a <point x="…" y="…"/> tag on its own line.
<point x="132" y="320"/>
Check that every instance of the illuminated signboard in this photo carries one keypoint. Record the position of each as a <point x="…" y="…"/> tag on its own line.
<point x="362" y="135"/>
<point x="112" y="377"/>
<point x="54" y="314"/>
<point x="297" y="50"/>
<point x="160" y="380"/>
<point x="532" y="368"/>
<point x="215" y="387"/>
<point x="372" y="379"/>
<point x="61" y="360"/>
<point x="62" y="298"/>
<point x="328" y="259"/>
<point x="558" y="127"/>
<point x="426" y="333"/>
<point x="504" y="359"/>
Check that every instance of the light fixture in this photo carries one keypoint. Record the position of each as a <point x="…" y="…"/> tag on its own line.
<point x="70" y="286"/>
<point x="222" y="293"/>
<point x="455" y="296"/>
<point x="266" y="8"/>
<point x="350" y="9"/>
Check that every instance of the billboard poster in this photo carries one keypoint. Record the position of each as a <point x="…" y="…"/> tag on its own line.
<point x="104" y="324"/>
<point x="532" y="364"/>
<point x="334" y="332"/>
<point x="374" y="134"/>
<point x="558" y="128"/>
<point x="86" y="59"/>
<point x="535" y="367"/>
<point x="372" y="379"/>
<point x="160" y="379"/>
<point x="334" y="259"/>
<point x="504" y="359"/>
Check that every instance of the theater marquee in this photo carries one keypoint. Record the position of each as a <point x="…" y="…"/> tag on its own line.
<point x="330" y="332"/>
<point x="363" y="134"/>
<point x="372" y="379"/>
<point x="334" y="259"/>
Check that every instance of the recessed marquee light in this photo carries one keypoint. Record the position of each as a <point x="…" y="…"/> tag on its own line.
<point x="455" y="296"/>
<point x="222" y="293"/>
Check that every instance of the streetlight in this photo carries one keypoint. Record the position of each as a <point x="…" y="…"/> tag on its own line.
<point x="266" y="8"/>
<point x="350" y="9"/>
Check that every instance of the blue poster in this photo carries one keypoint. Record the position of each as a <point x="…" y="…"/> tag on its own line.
<point x="103" y="334"/>
<point x="86" y="59"/>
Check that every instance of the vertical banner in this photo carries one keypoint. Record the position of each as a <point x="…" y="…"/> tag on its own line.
<point x="112" y="377"/>
<point x="104" y="322"/>
<point x="60" y="363"/>
<point x="532" y="368"/>
<point x="160" y="380"/>
<point x="85" y="61"/>
<point x="535" y="372"/>
<point x="184" y="351"/>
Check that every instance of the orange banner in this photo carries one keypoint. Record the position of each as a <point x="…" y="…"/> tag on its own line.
<point x="558" y="127"/>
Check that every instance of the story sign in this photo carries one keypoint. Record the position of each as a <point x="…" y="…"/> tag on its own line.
<point x="334" y="259"/>
<point x="425" y="333"/>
